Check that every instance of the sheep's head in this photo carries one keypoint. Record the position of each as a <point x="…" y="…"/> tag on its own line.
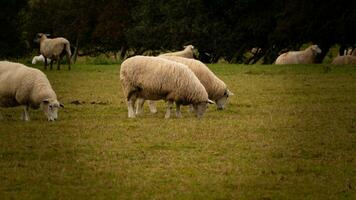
<point x="50" y="108"/>
<point x="190" y="47"/>
<point x="41" y="36"/>
<point x="316" y="49"/>
<point x="220" y="103"/>
<point x="200" y="108"/>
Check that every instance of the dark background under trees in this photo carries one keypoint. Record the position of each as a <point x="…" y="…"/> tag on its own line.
<point x="218" y="28"/>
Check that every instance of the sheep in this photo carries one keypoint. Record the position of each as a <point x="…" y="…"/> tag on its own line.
<point x="186" y="53"/>
<point x="54" y="49"/>
<point x="153" y="78"/>
<point x="344" y="60"/>
<point x="22" y="85"/>
<point x="39" y="58"/>
<point x="216" y="88"/>
<point x="299" y="57"/>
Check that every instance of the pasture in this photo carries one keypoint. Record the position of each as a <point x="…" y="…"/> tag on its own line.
<point x="288" y="133"/>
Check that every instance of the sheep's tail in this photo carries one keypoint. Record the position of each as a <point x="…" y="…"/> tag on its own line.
<point x="67" y="48"/>
<point x="68" y="53"/>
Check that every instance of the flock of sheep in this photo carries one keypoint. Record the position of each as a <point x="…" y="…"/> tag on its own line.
<point x="175" y="77"/>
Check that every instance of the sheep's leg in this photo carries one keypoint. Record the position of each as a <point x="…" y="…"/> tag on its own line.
<point x="25" y="115"/>
<point x="51" y="65"/>
<point x="68" y="60"/>
<point x="152" y="106"/>
<point x="178" y="112"/>
<point x="139" y="106"/>
<point x="169" y="109"/>
<point x="45" y="67"/>
<point x="59" y="63"/>
<point x="191" y="108"/>
<point x="130" y="106"/>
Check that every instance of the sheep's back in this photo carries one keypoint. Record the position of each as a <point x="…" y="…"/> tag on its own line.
<point x="214" y="86"/>
<point x="53" y="47"/>
<point x="160" y="77"/>
<point x="344" y="60"/>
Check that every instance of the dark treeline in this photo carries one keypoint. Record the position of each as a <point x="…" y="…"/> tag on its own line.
<point x="218" y="28"/>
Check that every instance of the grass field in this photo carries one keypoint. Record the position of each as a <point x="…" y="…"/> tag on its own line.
<point x="288" y="133"/>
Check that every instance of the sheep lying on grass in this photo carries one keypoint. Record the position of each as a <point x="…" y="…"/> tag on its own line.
<point x="216" y="88"/>
<point x="22" y="85"/>
<point x="54" y="49"/>
<point x="186" y="53"/>
<point x="344" y="60"/>
<point x="153" y="78"/>
<point x="299" y="57"/>
<point x="39" y="58"/>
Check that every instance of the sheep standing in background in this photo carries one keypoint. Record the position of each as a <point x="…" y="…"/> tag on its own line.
<point x="216" y="88"/>
<point x="39" y="58"/>
<point x="153" y="78"/>
<point x="349" y="51"/>
<point x="344" y="60"/>
<point x="299" y="57"/>
<point x="22" y="85"/>
<point x="54" y="49"/>
<point x="186" y="53"/>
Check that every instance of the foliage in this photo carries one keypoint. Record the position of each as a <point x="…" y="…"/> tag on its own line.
<point x="219" y="29"/>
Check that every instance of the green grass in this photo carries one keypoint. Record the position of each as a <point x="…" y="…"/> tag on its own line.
<point x="288" y="133"/>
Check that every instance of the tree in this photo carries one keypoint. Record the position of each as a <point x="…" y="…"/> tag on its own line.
<point x="12" y="43"/>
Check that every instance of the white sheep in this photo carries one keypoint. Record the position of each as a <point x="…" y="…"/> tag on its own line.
<point x="344" y="60"/>
<point x="299" y="57"/>
<point x="186" y="53"/>
<point x="216" y="88"/>
<point x="54" y="49"/>
<point x="22" y="85"/>
<point x="153" y="78"/>
<point x="350" y="51"/>
<point x="39" y="58"/>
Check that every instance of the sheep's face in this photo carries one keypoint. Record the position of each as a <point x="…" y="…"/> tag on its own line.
<point x="190" y="47"/>
<point x="201" y="107"/>
<point x="40" y="36"/>
<point x="50" y="108"/>
<point x="316" y="49"/>
<point x="220" y="103"/>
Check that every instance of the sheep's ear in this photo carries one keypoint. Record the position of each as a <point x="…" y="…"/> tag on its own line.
<point x="46" y="101"/>
<point x="210" y="102"/>
<point x="229" y="93"/>
<point x="48" y="34"/>
<point x="61" y="105"/>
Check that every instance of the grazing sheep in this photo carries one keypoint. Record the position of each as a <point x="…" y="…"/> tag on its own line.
<point x="153" y="78"/>
<point x="186" y="53"/>
<point x="22" y="85"/>
<point x="39" y="58"/>
<point x="54" y="49"/>
<point x="216" y="88"/>
<point x="299" y="57"/>
<point x="344" y="60"/>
